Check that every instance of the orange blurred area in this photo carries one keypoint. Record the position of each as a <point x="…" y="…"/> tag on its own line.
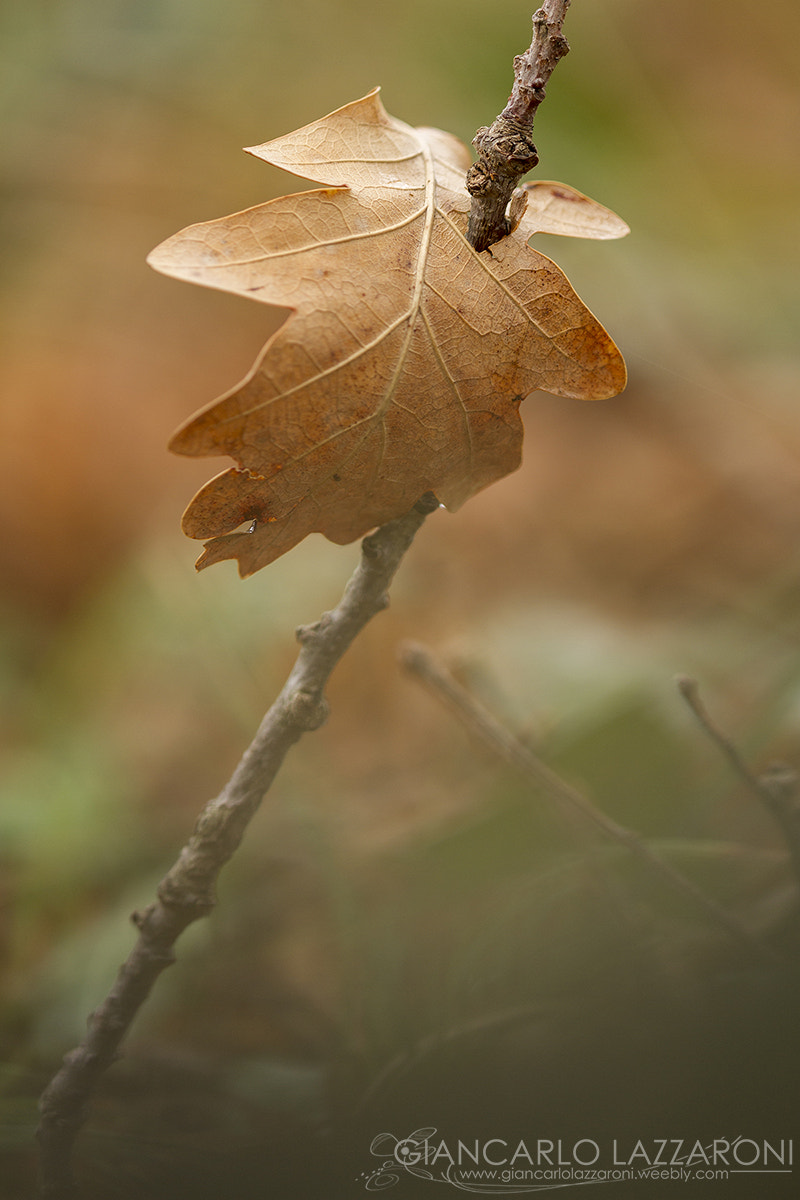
<point x="399" y="883"/>
<point x="122" y="129"/>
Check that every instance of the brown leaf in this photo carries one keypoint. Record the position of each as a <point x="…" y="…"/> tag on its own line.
<point x="404" y="361"/>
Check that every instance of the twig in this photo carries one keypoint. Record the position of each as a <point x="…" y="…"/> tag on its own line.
<point x="777" y="788"/>
<point x="421" y="663"/>
<point x="404" y="1062"/>
<point x="187" y="892"/>
<point x="505" y="149"/>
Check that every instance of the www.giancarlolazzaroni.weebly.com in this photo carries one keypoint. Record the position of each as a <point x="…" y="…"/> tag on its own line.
<point x="505" y="1166"/>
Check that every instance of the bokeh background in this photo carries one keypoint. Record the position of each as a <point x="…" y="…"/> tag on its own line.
<point x="409" y="936"/>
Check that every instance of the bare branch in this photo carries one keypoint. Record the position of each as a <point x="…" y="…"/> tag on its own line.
<point x="187" y="892"/>
<point x="420" y="662"/>
<point x="777" y="788"/>
<point x="505" y="149"/>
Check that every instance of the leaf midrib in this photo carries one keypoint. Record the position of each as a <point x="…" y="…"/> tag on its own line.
<point x="409" y="315"/>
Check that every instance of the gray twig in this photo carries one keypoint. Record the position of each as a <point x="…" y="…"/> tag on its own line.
<point x="505" y="149"/>
<point x="187" y="891"/>
<point x="420" y="662"/>
<point x="777" y="788"/>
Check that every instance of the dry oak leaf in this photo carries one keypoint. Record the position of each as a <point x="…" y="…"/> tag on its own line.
<point x="402" y="366"/>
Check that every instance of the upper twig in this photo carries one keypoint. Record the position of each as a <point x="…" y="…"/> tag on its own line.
<point x="505" y="149"/>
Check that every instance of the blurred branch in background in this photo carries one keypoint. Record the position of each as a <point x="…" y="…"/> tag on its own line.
<point x="777" y="788"/>
<point x="419" y="662"/>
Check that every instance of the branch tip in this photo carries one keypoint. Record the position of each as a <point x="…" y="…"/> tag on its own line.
<point x="411" y="656"/>
<point x="687" y="686"/>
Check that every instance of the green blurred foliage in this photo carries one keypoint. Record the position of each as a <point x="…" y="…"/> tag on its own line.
<point x="401" y="897"/>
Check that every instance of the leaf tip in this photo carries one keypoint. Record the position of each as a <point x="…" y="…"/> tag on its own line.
<point x="154" y="259"/>
<point x="615" y="377"/>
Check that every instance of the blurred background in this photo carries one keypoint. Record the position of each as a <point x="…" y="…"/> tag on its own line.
<point x="409" y="936"/>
